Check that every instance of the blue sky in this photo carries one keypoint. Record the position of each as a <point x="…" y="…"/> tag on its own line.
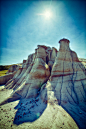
<point x="22" y="29"/>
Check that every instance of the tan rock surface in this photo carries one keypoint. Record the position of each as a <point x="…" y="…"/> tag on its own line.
<point x="6" y="78"/>
<point x="53" y="117"/>
<point x="12" y="69"/>
<point x="67" y="84"/>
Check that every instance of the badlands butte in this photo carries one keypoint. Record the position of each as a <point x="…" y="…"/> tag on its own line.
<point x="49" y="89"/>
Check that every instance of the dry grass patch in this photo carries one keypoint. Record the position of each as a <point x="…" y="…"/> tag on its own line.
<point x="3" y="72"/>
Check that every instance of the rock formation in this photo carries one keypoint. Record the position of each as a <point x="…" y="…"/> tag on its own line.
<point x="59" y="75"/>
<point x="67" y="84"/>
<point x="29" y="78"/>
<point x="6" y="78"/>
<point x="9" y="75"/>
<point x="12" y="68"/>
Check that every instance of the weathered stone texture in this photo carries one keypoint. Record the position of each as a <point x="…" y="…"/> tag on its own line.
<point x="57" y="76"/>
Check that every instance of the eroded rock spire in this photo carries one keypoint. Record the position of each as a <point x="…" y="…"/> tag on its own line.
<point x="67" y="84"/>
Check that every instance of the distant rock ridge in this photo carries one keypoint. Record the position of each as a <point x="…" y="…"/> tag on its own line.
<point x="59" y="75"/>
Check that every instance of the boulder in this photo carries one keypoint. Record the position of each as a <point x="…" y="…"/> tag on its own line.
<point x="6" y="78"/>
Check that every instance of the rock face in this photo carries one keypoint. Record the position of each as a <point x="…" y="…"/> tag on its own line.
<point x="34" y="72"/>
<point x="59" y="75"/>
<point x="6" y="78"/>
<point x="12" y="69"/>
<point x="9" y="75"/>
<point x="67" y="84"/>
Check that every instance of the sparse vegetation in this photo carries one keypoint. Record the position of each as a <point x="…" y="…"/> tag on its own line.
<point x="3" y="72"/>
<point x="4" y="69"/>
<point x="40" y="84"/>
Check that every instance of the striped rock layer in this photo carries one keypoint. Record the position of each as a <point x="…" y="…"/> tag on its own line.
<point x="34" y="72"/>
<point x="67" y="84"/>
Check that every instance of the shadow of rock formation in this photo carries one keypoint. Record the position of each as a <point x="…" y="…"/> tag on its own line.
<point x="29" y="110"/>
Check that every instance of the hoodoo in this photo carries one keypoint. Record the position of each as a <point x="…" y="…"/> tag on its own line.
<point x="67" y="84"/>
<point x="33" y="73"/>
<point x="59" y="75"/>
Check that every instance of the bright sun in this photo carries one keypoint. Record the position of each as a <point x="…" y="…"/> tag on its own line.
<point x="47" y="14"/>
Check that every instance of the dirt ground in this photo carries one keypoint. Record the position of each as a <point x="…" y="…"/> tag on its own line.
<point x="28" y="114"/>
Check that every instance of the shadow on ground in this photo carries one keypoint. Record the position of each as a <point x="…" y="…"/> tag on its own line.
<point x="77" y="114"/>
<point x="29" y="110"/>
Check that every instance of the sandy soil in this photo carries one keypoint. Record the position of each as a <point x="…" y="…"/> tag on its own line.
<point x="33" y="114"/>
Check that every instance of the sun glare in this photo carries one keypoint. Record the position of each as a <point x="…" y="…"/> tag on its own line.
<point x="47" y="14"/>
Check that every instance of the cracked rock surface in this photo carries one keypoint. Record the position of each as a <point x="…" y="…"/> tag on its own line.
<point x="56" y="77"/>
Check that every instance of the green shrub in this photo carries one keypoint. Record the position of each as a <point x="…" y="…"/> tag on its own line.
<point x="4" y="67"/>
